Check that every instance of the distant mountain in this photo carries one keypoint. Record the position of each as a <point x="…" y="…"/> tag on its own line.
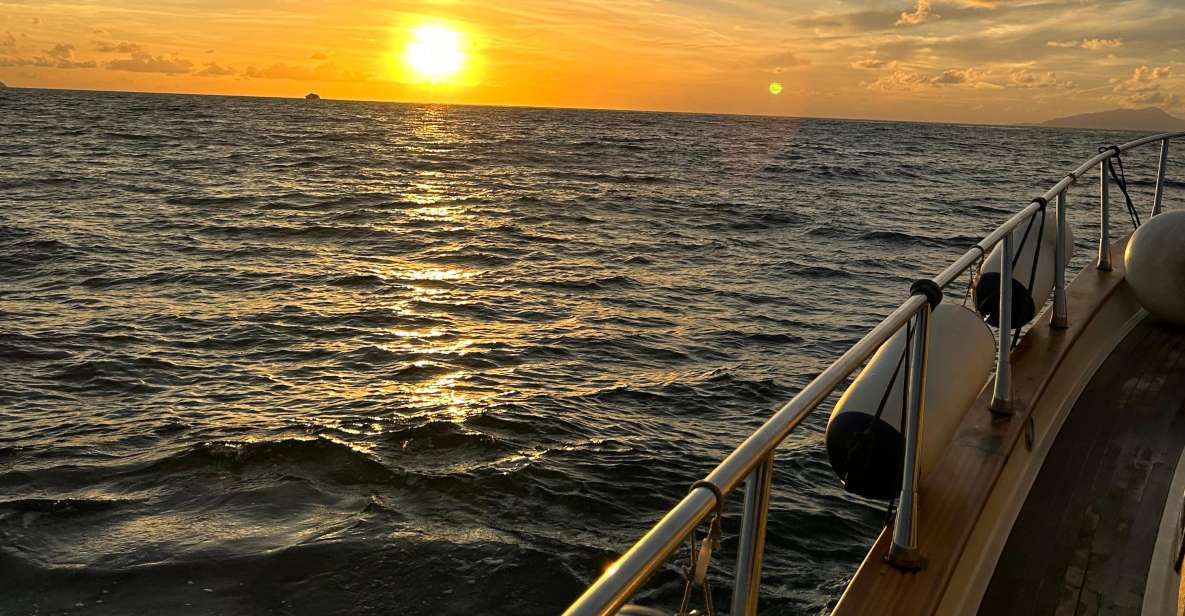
<point x="3" y="85"/>
<point x="1150" y="119"/>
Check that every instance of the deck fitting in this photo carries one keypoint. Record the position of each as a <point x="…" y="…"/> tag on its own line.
<point x="906" y="559"/>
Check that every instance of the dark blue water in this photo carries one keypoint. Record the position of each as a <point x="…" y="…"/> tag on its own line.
<point x="265" y="356"/>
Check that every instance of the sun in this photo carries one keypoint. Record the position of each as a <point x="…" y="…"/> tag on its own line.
<point x="435" y="53"/>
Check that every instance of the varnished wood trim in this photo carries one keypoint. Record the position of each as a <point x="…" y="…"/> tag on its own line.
<point x="953" y="497"/>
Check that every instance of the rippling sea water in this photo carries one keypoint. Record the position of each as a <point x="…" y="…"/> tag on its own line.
<point x="263" y="356"/>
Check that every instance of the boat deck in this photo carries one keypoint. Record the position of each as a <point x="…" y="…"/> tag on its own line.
<point x="1084" y="537"/>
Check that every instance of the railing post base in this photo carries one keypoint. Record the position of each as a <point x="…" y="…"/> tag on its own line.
<point x="1001" y="407"/>
<point x="1104" y="265"/>
<point x="1060" y="321"/>
<point x="903" y="551"/>
<point x="906" y="559"/>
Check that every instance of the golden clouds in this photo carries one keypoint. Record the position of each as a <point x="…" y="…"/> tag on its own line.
<point x="966" y="60"/>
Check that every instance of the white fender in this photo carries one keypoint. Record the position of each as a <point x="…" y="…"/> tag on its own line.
<point x="1026" y="302"/>
<point x="1155" y="265"/>
<point x="867" y="452"/>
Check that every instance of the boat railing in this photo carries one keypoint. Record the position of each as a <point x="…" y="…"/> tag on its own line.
<point x="752" y="461"/>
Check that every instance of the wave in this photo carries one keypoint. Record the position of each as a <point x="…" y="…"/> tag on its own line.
<point x="317" y="457"/>
<point x="203" y="201"/>
<point x="30" y="348"/>
<point x="62" y="507"/>
<point x="236" y="338"/>
<point x="733" y="336"/>
<point x="589" y="284"/>
<point x="32" y="253"/>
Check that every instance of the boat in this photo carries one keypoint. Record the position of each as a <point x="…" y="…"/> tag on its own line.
<point x="1056" y="486"/>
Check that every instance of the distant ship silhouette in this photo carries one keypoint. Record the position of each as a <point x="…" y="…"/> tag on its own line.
<point x="312" y="96"/>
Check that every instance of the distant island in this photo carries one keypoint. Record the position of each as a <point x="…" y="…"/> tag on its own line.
<point x="313" y="96"/>
<point x="1149" y="119"/>
<point x="3" y="85"/>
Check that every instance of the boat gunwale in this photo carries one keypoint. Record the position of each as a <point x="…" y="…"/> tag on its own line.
<point x="629" y="573"/>
<point x="982" y="446"/>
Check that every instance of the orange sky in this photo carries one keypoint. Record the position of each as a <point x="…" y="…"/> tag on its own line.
<point x="961" y="60"/>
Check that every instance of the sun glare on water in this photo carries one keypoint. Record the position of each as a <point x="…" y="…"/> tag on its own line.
<point x="435" y="53"/>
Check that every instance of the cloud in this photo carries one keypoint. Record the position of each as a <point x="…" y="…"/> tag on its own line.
<point x="862" y="21"/>
<point x="869" y="63"/>
<point x="60" y="55"/>
<point x="1146" y="75"/>
<point x="898" y="80"/>
<point x="1153" y="98"/>
<point x="326" y="71"/>
<point x="1144" y="88"/>
<point x="1101" y="43"/>
<point x="318" y="55"/>
<point x="780" y="62"/>
<point x="970" y="78"/>
<point x="213" y="69"/>
<point x="61" y="51"/>
<point x="1093" y="44"/>
<point x="920" y="15"/>
<point x="910" y="80"/>
<point x="144" y="62"/>
<point x="1025" y="79"/>
<point x="8" y="40"/>
<point x="106" y="47"/>
<point x="954" y="77"/>
<point x="993" y="4"/>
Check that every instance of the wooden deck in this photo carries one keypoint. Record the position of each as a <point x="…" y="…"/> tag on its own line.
<point x="1084" y="537"/>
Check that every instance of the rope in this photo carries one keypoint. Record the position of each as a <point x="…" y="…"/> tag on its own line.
<point x="880" y="408"/>
<point x="1121" y="181"/>
<point x="697" y="572"/>
<point x="715" y="492"/>
<point x="859" y="440"/>
<point x="973" y="275"/>
<point x="1037" y="253"/>
<point x="863" y="439"/>
<point x="909" y="325"/>
<point x="1021" y="248"/>
<point x="1033" y="271"/>
<point x="688" y="575"/>
<point x="890" y="509"/>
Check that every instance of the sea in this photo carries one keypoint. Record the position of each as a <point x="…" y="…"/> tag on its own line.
<point x="277" y="356"/>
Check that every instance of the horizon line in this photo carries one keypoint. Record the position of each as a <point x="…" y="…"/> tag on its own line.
<point x="514" y="106"/>
<point x="603" y="109"/>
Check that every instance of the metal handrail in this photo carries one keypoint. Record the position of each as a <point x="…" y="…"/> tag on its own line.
<point x="752" y="460"/>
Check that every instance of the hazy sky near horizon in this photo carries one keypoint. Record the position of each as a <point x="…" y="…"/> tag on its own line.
<point x="938" y="60"/>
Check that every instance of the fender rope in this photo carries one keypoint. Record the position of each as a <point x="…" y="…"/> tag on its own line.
<point x="1121" y="182"/>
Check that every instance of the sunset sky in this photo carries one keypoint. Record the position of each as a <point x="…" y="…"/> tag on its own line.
<point x="960" y="60"/>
